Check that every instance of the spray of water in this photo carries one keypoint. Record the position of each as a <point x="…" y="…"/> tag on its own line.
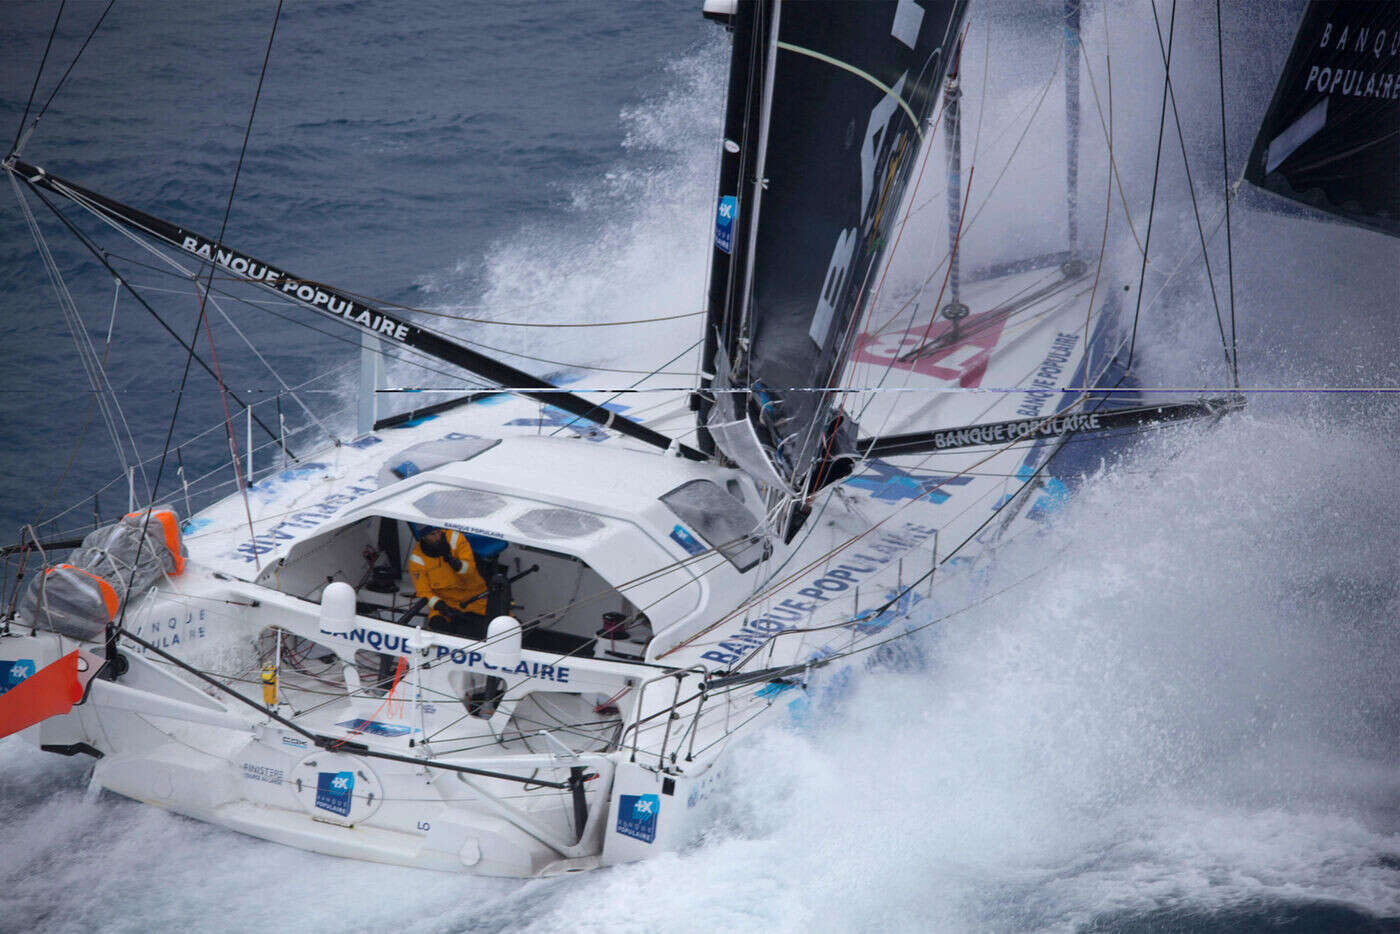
<point x="1188" y="702"/>
<point x="1184" y="704"/>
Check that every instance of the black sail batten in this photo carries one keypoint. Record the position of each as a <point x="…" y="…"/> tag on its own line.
<point x="1331" y="137"/>
<point x="344" y="308"/>
<point x="1034" y="429"/>
<point x="853" y="85"/>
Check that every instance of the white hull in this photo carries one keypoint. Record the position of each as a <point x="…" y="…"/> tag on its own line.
<point x="655" y="749"/>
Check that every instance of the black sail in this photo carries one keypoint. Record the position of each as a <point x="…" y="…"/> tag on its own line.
<point x="1331" y="138"/>
<point x="844" y="92"/>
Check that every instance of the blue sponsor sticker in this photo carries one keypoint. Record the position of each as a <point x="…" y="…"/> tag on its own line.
<point x="334" y="790"/>
<point x="681" y="536"/>
<point x="636" y="816"/>
<point x="375" y="728"/>
<point x="13" y="672"/>
<point x="725" y="216"/>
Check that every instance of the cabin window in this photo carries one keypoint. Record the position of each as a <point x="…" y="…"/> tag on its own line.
<point x="721" y="519"/>
<point x="558" y="523"/>
<point x="459" y="504"/>
<point x="430" y="454"/>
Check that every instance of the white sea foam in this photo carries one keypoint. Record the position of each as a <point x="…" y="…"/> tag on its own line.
<point x="1189" y="702"/>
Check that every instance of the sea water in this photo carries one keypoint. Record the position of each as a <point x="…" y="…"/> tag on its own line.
<point x="1171" y="707"/>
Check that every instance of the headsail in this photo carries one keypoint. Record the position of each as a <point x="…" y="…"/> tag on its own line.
<point x="843" y="92"/>
<point x="1331" y="138"/>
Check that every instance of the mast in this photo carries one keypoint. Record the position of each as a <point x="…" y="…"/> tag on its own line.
<point x="759" y="181"/>
<point x="736" y="151"/>
<point x="955" y="310"/>
<point x="343" y="307"/>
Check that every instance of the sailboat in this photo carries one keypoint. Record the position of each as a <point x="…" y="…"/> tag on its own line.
<point x="657" y="587"/>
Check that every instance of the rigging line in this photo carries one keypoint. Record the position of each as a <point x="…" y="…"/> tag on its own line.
<point x="87" y="355"/>
<point x="568" y="365"/>
<point x="415" y="358"/>
<point x="53" y="31"/>
<point x="496" y="321"/>
<point x="638" y="382"/>
<point x="1025" y="486"/>
<point x="386" y="303"/>
<point x="918" y="181"/>
<point x="187" y="275"/>
<point x="411" y="357"/>
<point x="909" y="632"/>
<point x="1034" y="108"/>
<point x="87" y="419"/>
<point x="275" y="375"/>
<point x="197" y="480"/>
<point x="901" y="389"/>
<point x="1195" y="208"/>
<point x="78" y="198"/>
<point x="1156" y="174"/>
<point x="113" y="633"/>
<point x="1108" y="207"/>
<point x="769" y="590"/>
<point x="996" y="182"/>
<point x="937" y="305"/>
<point x="69" y="70"/>
<point x="1225" y="179"/>
<point x="1166" y="282"/>
<point x="203" y="293"/>
<point x="982" y="102"/>
<point x="266" y="306"/>
<point x="101" y="256"/>
<point x="1108" y="127"/>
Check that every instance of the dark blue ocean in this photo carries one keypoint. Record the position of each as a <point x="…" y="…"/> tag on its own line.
<point x="1190" y="725"/>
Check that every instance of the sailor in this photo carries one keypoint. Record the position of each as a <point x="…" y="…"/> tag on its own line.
<point x="444" y="569"/>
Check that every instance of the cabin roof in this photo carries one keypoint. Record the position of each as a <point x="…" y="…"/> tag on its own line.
<point x="602" y="477"/>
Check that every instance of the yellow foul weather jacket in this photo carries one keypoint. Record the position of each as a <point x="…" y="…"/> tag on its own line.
<point x="435" y="577"/>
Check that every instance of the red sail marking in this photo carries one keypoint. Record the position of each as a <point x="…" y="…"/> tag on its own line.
<point x="964" y="360"/>
<point x="50" y="692"/>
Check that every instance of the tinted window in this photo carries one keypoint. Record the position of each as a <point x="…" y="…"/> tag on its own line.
<point x="721" y="519"/>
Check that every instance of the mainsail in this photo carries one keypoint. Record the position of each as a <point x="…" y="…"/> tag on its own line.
<point x="1331" y="138"/>
<point x="829" y="103"/>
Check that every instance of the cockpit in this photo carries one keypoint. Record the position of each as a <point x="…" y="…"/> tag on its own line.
<point x="592" y="566"/>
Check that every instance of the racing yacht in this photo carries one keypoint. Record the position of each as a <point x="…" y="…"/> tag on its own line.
<point x="663" y="577"/>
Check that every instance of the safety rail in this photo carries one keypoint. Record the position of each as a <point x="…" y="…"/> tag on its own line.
<point x="636" y="726"/>
<point x="700" y="698"/>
